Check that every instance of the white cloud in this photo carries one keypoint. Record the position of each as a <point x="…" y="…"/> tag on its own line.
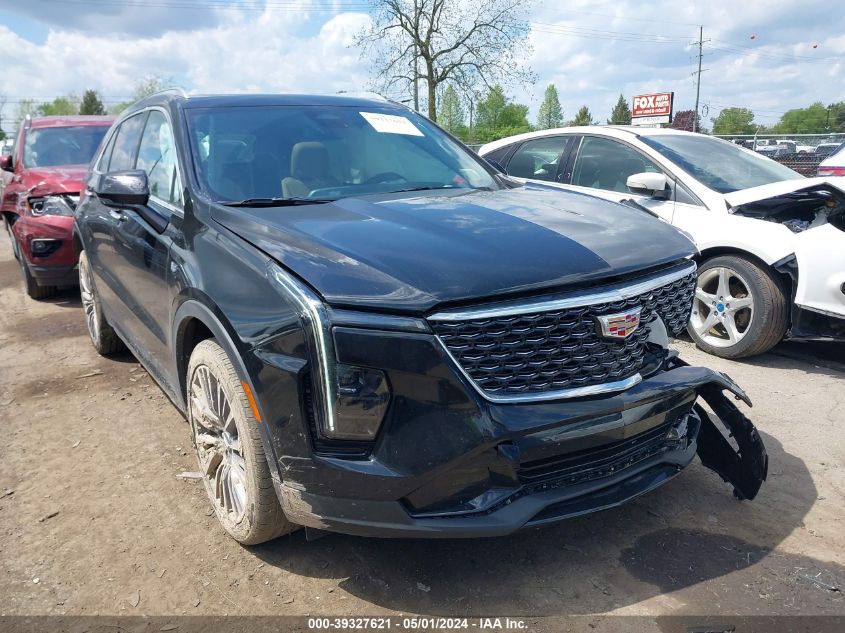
<point x="247" y="51"/>
<point x="770" y="74"/>
<point x="283" y="51"/>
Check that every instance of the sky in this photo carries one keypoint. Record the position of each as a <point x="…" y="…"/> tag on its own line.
<point x="766" y="55"/>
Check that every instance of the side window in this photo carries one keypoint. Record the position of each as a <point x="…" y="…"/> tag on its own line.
<point x="126" y="143"/>
<point x="537" y="159"/>
<point x="499" y="155"/>
<point x="603" y="163"/>
<point x="105" y="157"/>
<point x="157" y="157"/>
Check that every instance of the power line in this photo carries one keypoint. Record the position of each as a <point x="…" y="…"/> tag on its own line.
<point x="270" y="5"/>
<point x="750" y="51"/>
<point x="576" y="31"/>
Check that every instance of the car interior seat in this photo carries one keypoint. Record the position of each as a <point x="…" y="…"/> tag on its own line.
<point x="522" y="165"/>
<point x="310" y="169"/>
<point x="230" y="169"/>
<point x="587" y="171"/>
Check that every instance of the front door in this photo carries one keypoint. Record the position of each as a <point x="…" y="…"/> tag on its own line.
<point x="602" y="167"/>
<point x="142" y="238"/>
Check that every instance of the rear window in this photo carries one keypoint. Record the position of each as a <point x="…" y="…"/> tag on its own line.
<point x="52" y="146"/>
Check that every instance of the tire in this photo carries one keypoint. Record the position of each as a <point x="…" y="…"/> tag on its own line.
<point x="31" y="286"/>
<point x="103" y="337"/>
<point x="757" y="319"/>
<point x="229" y="450"/>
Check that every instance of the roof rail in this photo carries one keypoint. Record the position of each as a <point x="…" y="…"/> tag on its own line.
<point x="363" y="94"/>
<point x="175" y="89"/>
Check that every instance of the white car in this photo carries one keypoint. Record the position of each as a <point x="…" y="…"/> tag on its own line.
<point x="771" y="242"/>
<point x="833" y="165"/>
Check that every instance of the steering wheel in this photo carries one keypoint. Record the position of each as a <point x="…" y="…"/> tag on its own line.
<point x="385" y="176"/>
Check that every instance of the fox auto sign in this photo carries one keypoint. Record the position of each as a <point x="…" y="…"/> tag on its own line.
<point x="652" y="109"/>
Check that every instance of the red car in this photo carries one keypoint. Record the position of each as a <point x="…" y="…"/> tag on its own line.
<point x="48" y="166"/>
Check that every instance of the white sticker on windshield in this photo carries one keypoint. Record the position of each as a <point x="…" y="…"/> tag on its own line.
<point x="391" y="124"/>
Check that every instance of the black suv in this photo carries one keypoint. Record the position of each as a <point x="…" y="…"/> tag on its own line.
<point x="371" y="331"/>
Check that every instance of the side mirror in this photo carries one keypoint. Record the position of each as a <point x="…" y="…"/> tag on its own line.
<point x="123" y="188"/>
<point x="6" y="163"/>
<point x="496" y="165"/>
<point x="648" y="184"/>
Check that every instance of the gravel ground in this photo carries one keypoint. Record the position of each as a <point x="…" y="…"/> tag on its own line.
<point x="93" y="519"/>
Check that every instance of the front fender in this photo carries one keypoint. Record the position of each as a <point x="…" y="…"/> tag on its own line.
<point x="192" y="308"/>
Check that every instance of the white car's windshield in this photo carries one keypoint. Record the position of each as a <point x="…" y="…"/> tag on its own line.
<point x="717" y="164"/>
<point x="266" y="154"/>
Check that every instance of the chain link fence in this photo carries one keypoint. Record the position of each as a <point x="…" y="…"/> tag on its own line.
<point x="800" y="152"/>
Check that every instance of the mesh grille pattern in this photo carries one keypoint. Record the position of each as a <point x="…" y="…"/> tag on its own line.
<point x="550" y="351"/>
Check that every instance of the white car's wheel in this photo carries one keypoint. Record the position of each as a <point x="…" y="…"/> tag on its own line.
<point x="740" y="308"/>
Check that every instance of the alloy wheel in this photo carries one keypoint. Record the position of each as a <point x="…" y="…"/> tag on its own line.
<point x="89" y="301"/>
<point x="723" y="308"/>
<point x="218" y="444"/>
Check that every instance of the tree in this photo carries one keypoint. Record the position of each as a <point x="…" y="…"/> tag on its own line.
<point x="550" y="114"/>
<point x="810" y="120"/>
<point x="451" y="114"/>
<point x="683" y="120"/>
<point x="91" y="103"/>
<point x="498" y="117"/>
<point x="148" y="85"/>
<point x="621" y="113"/>
<point x="461" y="42"/>
<point x="734" y="121"/>
<point x="583" y="117"/>
<point x="60" y="106"/>
<point x="26" y="107"/>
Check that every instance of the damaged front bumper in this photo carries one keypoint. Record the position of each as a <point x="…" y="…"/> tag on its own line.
<point x="598" y="453"/>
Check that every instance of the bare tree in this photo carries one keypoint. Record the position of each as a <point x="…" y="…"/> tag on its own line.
<point x="461" y="42"/>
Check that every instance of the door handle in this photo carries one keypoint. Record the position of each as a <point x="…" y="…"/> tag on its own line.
<point x="117" y="215"/>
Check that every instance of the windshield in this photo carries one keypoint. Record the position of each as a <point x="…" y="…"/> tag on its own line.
<point x="53" y="146"/>
<point x="324" y="153"/>
<point x="717" y="164"/>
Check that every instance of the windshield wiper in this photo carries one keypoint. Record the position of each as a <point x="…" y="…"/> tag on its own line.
<point x="430" y="188"/>
<point x="275" y="202"/>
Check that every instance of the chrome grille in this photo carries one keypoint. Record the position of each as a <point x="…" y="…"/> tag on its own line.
<point x="544" y="349"/>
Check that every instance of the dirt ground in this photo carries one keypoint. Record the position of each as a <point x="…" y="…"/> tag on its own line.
<point x="93" y="519"/>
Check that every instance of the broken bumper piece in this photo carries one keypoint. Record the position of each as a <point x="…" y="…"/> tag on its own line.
<point x="636" y="441"/>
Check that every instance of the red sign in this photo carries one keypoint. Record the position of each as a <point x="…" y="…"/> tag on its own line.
<point x="658" y="104"/>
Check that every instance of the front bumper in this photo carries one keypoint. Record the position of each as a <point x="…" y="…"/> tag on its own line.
<point x="55" y="275"/>
<point x="480" y="469"/>
<point x="62" y="256"/>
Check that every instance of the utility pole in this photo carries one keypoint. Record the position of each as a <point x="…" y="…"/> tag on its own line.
<point x="700" y="43"/>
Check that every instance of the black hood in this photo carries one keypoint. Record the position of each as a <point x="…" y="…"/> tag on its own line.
<point x="409" y="254"/>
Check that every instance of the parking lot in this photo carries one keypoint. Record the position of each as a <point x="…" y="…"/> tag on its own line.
<point x="94" y="520"/>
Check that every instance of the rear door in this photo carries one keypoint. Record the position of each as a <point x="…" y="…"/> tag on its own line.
<point x="142" y="238"/>
<point x="539" y="159"/>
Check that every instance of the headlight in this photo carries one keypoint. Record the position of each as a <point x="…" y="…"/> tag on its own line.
<point x="349" y="401"/>
<point x="51" y="205"/>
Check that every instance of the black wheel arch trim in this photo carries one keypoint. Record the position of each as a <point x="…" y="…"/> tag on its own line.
<point x="193" y="307"/>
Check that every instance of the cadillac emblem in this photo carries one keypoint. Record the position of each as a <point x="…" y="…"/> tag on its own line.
<point x="620" y="325"/>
